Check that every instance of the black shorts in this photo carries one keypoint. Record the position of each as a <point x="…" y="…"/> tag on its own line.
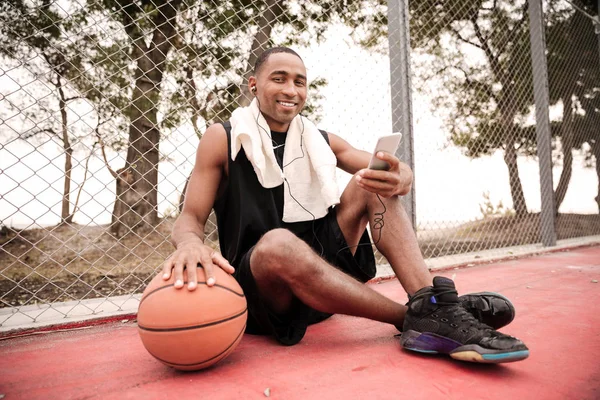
<point x="327" y="240"/>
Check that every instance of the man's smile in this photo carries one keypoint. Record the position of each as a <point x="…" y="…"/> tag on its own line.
<point x="286" y="103"/>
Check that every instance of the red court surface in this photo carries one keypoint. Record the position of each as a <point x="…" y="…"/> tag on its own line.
<point x="558" y="316"/>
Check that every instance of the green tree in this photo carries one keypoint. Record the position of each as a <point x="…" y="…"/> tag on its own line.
<point x="124" y="56"/>
<point x="33" y="35"/>
<point x="482" y="50"/>
<point x="151" y="29"/>
<point x="195" y="43"/>
<point x="574" y="80"/>
<point x="211" y="75"/>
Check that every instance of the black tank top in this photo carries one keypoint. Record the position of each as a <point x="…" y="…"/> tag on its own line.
<point x="246" y="210"/>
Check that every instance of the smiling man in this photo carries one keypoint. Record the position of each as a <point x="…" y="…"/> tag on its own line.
<point x="300" y="251"/>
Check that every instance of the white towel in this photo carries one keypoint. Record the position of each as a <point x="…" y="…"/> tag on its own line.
<point x="311" y="177"/>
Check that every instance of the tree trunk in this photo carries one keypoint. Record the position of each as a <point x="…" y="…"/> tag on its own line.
<point x="66" y="202"/>
<point x="506" y="106"/>
<point x="516" y="189"/>
<point x="567" y="149"/>
<point x="144" y="136"/>
<point x="189" y="71"/>
<point x="510" y="157"/>
<point x="69" y="219"/>
<point x="259" y="44"/>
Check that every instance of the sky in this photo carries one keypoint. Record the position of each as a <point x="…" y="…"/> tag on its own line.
<point x="449" y="186"/>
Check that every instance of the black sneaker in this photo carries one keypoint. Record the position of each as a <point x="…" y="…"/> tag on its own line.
<point x="491" y="308"/>
<point x="437" y="322"/>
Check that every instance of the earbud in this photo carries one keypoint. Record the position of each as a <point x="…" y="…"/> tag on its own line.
<point x="253" y="89"/>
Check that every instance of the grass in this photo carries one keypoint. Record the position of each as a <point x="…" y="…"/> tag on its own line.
<point x="71" y="262"/>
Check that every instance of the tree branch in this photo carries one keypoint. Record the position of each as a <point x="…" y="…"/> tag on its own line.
<point x="462" y="39"/>
<point x="164" y="28"/>
<point x="492" y="58"/>
<point x="30" y="135"/>
<point x="85" y="174"/>
<point x="101" y="143"/>
<point x="133" y="30"/>
<point x="47" y="59"/>
<point x="478" y="84"/>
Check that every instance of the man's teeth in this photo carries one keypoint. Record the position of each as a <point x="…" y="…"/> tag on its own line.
<point x="283" y="103"/>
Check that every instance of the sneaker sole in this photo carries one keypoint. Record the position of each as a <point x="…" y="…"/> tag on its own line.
<point x="430" y="343"/>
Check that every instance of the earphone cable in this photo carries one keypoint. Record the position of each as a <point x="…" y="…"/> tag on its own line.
<point x="378" y="221"/>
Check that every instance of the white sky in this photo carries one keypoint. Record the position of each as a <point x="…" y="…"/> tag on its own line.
<point x="449" y="186"/>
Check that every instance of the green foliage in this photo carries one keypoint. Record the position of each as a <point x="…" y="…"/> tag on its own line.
<point x="70" y="52"/>
<point x="574" y="68"/>
<point x="211" y="58"/>
<point x="482" y="50"/>
<point x="489" y="210"/>
<point x="490" y="103"/>
<point x="95" y="49"/>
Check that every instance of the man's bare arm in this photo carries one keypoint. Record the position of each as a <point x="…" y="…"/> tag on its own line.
<point x="349" y="158"/>
<point x="188" y="232"/>
<point x="396" y="181"/>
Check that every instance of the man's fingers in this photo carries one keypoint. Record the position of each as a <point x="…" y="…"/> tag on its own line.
<point x="376" y="174"/>
<point x="375" y="185"/>
<point x="209" y="273"/>
<point x="178" y="274"/>
<point x="219" y="260"/>
<point x="166" y="269"/>
<point x="192" y="275"/>
<point x="390" y="158"/>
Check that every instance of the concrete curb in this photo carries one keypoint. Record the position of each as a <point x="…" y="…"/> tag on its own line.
<point x="48" y="318"/>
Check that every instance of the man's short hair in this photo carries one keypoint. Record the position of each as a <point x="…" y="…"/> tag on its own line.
<point x="273" y="50"/>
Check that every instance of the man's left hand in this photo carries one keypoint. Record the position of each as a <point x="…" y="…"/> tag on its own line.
<point x="396" y="181"/>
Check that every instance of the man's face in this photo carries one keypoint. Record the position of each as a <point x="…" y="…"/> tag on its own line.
<point x="281" y="89"/>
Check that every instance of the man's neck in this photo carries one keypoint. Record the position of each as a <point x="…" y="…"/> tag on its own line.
<point x="276" y="126"/>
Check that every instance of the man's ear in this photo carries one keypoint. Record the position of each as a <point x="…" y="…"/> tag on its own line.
<point x="251" y="84"/>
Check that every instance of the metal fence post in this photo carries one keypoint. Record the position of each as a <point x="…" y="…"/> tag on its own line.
<point x="597" y="30"/>
<point x="401" y="91"/>
<point x="542" y="121"/>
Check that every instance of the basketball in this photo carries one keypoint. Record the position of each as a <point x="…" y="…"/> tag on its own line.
<point x="191" y="330"/>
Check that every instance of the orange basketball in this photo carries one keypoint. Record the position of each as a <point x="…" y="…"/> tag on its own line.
<point x="192" y="330"/>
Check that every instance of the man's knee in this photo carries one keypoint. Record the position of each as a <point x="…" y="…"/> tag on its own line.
<point x="278" y="253"/>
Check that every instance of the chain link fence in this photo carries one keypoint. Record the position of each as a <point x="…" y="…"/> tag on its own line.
<point x="103" y="103"/>
<point x="473" y="81"/>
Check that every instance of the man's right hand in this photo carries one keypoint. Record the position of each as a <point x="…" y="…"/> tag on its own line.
<point x="187" y="256"/>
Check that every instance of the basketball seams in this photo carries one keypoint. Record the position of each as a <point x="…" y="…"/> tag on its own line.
<point x="162" y="328"/>
<point x="185" y="328"/>
<point x="199" y="283"/>
<point x="198" y="364"/>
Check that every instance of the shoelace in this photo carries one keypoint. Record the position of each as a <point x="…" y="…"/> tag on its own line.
<point x="457" y="309"/>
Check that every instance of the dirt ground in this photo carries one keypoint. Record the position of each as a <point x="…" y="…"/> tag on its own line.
<point x="73" y="262"/>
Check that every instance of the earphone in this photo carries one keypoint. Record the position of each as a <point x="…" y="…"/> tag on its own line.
<point x="378" y="220"/>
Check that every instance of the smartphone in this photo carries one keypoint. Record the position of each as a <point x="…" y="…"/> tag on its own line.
<point x="388" y="144"/>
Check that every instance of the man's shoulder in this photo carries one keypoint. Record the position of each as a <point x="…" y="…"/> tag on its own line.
<point x="214" y="143"/>
<point x="217" y="133"/>
<point x="218" y="127"/>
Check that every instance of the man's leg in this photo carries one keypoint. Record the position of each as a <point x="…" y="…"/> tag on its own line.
<point x="284" y="266"/>
<point x="397" y="241"/>
<point x="456" y="331"/>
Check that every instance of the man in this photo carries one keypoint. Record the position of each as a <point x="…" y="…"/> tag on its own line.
<point x="300" y="261"/>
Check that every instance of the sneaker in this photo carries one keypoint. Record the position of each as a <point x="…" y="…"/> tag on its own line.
<point x="491" y="308"/>
<point x="437" y="322"/>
